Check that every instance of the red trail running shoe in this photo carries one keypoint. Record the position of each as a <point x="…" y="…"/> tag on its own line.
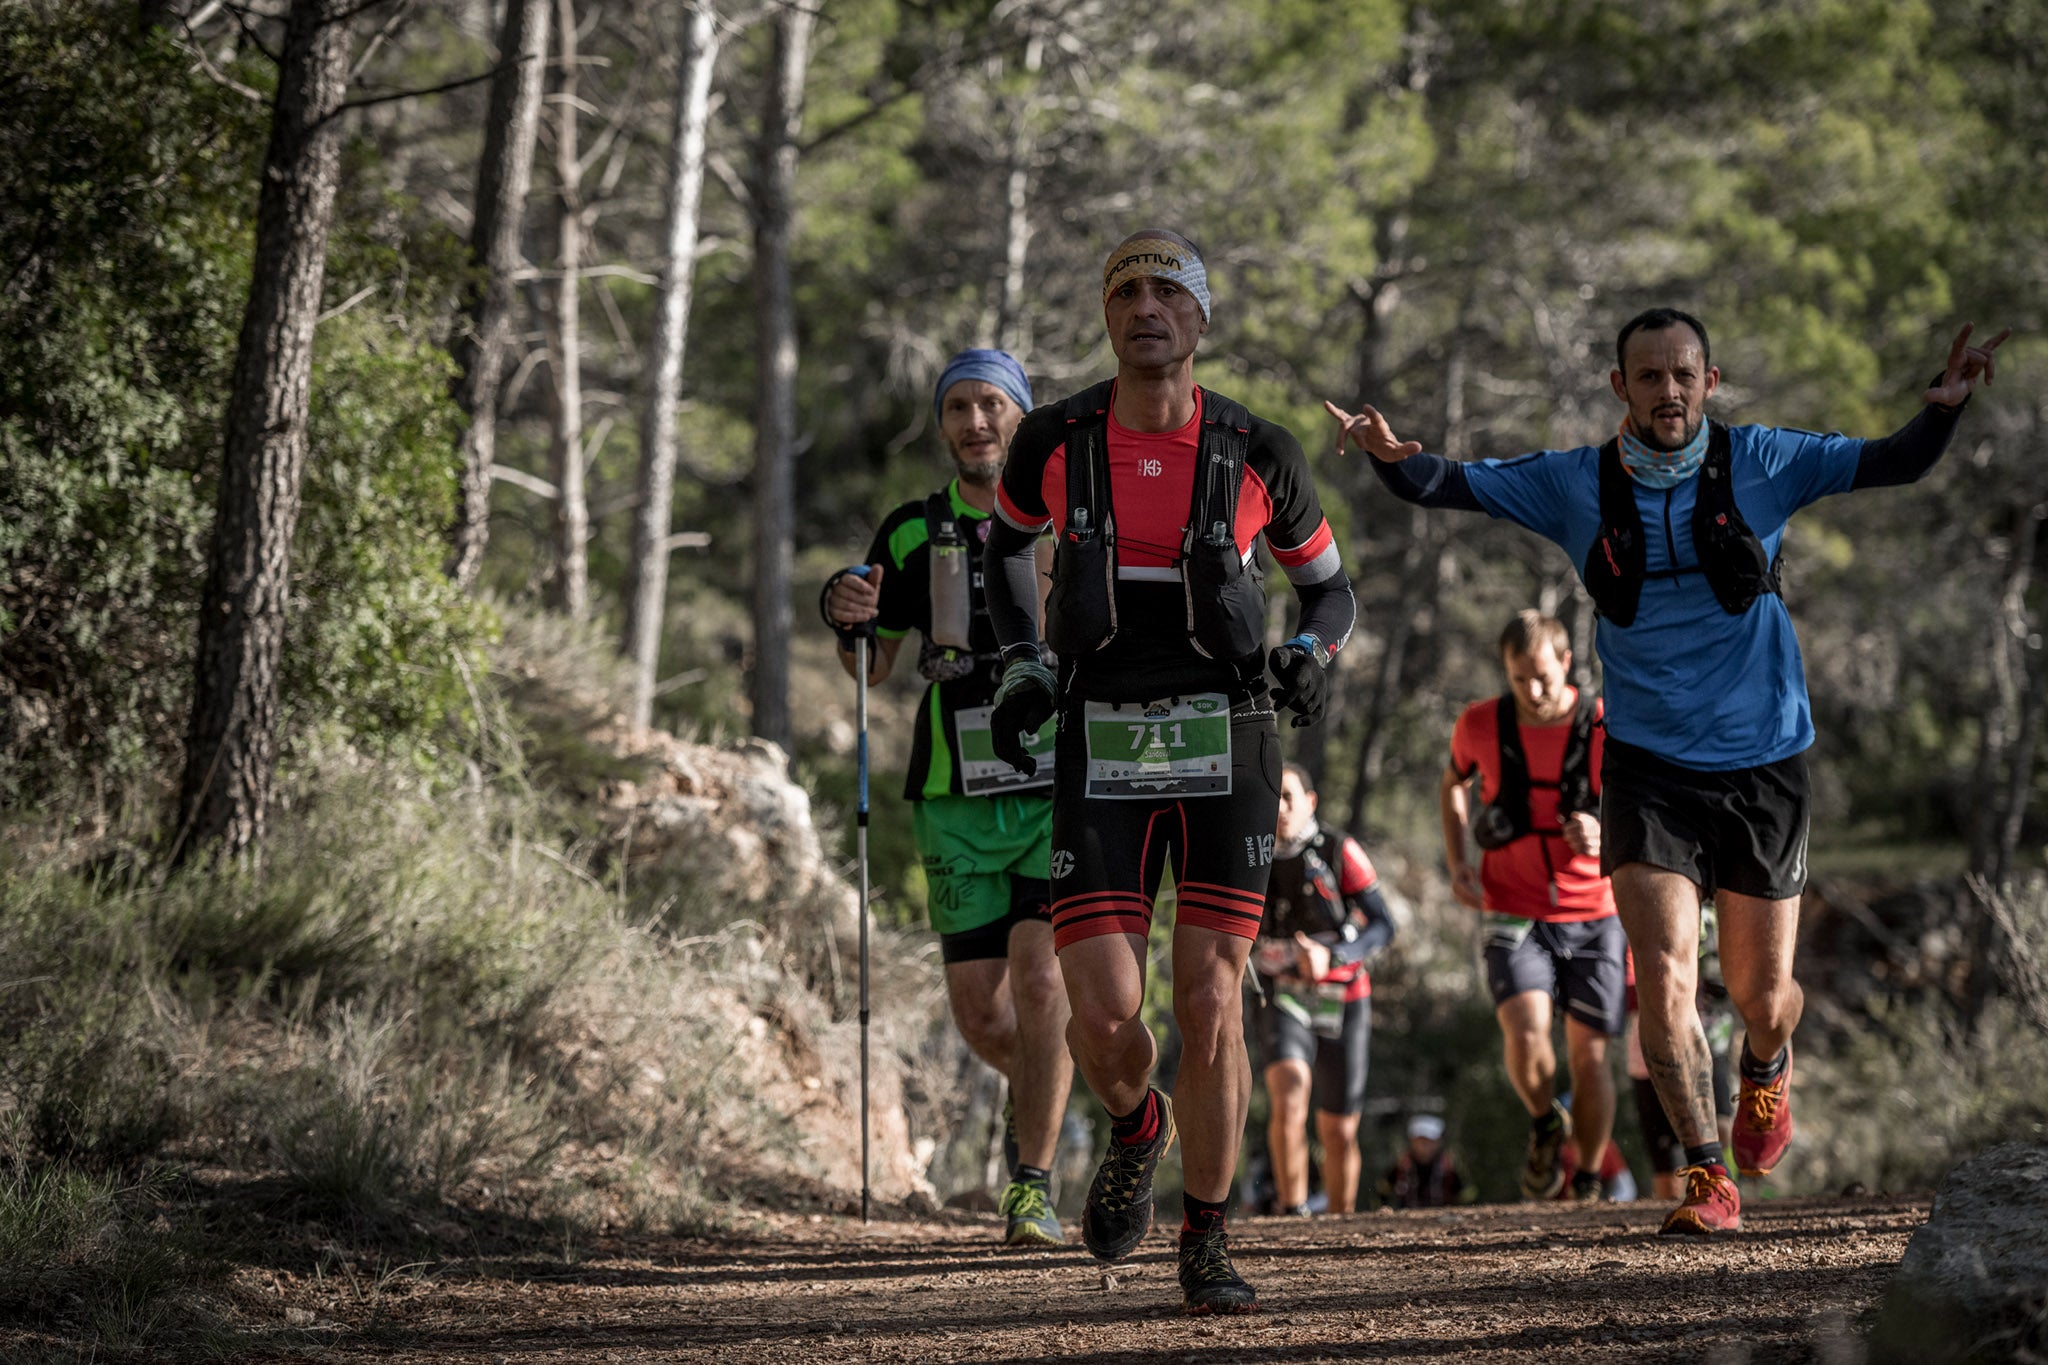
<point x="1763" y="1123"/>
<point x="1712" y="1204"/>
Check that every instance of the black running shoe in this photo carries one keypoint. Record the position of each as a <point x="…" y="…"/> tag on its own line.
<point x="1208" y="1282"/>
<point x="1588" y="1187"/>
<point x="1542" y="1172"/>
<point x="1118" y="1213"/>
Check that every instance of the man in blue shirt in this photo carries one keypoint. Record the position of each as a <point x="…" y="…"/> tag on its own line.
<point x="1675" y="526"/>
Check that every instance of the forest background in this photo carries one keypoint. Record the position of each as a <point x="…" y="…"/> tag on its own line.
<point x="715" y="281"/>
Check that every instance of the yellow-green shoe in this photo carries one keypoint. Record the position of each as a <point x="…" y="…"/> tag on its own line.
<point x="1032" y="1223"/>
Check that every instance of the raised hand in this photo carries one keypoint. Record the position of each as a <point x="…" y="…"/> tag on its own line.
<point x="1966" y="364"/>
<point x="1369" y="431"/>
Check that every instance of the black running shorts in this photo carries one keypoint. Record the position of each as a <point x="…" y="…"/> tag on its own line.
<point x="1107" y="855"/>
<point x="1742" y="831"/>
<point x="1337" y="1064"/>
<point x="1030" y="898"/>
<point x="1583" y="964"/>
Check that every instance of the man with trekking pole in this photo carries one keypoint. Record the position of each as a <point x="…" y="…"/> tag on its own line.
<point x="982" y="828"/>
<point x="1675" y="525"/>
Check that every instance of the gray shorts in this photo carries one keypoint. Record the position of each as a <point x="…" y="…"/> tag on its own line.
<point x="1582" y="964"/>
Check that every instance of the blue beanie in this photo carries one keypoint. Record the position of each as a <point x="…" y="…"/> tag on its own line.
<point x="999" y="368"/>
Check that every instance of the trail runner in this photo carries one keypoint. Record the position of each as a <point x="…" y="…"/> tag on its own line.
<point x="1548" y="924"/>
<point x="1167" y="750"/>
<point x="982" y="829"/>
<point x="1675" y="527"/>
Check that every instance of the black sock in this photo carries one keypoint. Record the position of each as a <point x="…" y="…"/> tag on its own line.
<point x="1199" y="1215"/>
<point x="1706" y="1154"/>
<point x="1547" y="1122"/>
<point x="1140" y="1125"/>
<point x="1031" y="1175"/>
<point x="1764" y="1073"/>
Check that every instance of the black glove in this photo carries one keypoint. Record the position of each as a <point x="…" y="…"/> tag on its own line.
<point x="1023" y="703"/>
<point x="1298" y="668"/>
<point x="848" y="635"/>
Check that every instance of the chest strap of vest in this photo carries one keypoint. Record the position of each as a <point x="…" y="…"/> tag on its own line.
<point x="1574" y="785"/>
<point x="1731" y="556"/>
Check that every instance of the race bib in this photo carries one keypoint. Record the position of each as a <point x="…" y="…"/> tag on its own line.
<point x="981" y="772"/>
<point x="1146" y="750"/>
<point x="1319" y="1008"/>
<point x="1504" y="931"/>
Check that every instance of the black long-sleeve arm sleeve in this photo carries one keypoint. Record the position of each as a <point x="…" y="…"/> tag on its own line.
<point x="1009" y="575"/>
<point x="1908" y="453"/>
<point x="1328" y="609"/>
<point x="1428" y="481"/>
<point x="1374" y="923"/>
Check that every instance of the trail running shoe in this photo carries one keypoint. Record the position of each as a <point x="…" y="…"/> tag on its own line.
<point x="1588" y="1187"/>
<point x="1032" y="1221"/>
<point x="1712" y="1204"/>
<point x="1543" y="1173"/>
<point x="1763" y="1123"/>
<point x="1208" y="1282"/>
<point x="1118" y="1212"/>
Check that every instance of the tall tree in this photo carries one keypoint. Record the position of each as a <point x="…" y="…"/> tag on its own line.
<point x="231" y="747"/>
<point x="503" y="180"/>
<point x="774" y="195"/>
<point x="569" y="588"/>
<point x="647" y="566"/>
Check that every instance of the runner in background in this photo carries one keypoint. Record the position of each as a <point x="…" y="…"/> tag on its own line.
<point x="1168" y="750"/>
<point x="1312" y="1002"/>
<point x="982" y="828"/>
<point x="1426" y="1175"/>
<point x="1549" y="927"/>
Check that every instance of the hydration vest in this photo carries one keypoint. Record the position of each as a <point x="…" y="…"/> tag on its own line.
<point x="1506" y="818"/>
<point x="1730" y="554"/>
<point x="1225" y="594"/>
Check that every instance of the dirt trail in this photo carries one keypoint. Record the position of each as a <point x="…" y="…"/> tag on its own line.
<point x="1496" y="1283"/>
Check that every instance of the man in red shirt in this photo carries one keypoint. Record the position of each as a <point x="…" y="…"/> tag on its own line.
<point x="1550" y="927"/>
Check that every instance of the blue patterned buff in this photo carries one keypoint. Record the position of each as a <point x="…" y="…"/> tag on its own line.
<point x="1654" y="468"/>
<point x="999" y="368"/>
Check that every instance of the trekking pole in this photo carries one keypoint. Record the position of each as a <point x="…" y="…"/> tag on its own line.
<point x="861" y="644"/>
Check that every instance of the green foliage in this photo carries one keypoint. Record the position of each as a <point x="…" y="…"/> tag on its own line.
<point x="124" y="242"/>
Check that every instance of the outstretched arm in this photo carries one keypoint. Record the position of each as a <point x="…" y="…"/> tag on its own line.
<point x="1411" y="475"/>
<point x="1913" y="449"/>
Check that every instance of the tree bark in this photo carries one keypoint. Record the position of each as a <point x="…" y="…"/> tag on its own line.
<point x="569" y="589"/>
<point x="231" y="742"/>
<point x="647" y="565"/>
<point x="503" y="180"/>
<point x="775" y="439"/>
<point x="1010" y="332"/>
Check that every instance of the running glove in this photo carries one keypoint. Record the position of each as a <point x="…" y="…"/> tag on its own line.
<point x="1023" y="703"/>
<point x="1298" y="668"/>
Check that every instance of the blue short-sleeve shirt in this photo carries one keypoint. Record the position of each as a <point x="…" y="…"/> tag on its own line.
<point x="1689" y="682"/>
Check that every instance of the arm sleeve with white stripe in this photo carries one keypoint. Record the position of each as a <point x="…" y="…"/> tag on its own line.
<point x="1299" y="536"/>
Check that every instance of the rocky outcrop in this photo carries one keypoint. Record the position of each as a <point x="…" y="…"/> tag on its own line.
<point x="1974" y="1282"/>
<point x="726" y="826"/>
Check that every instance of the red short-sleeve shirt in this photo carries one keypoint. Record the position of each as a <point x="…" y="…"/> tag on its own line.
<point x="1519" y="878"/>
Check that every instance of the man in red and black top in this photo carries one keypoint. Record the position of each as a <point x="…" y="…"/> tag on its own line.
<point x="1167" y="750"/>
<point x="1325" y="918"/>
<point x="1549" y="922"/>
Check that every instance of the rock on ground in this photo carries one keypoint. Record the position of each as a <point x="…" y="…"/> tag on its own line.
<point x="1974" y="1282"/>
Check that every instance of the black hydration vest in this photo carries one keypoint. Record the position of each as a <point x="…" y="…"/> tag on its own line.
<point x="1303" y="892"/>
<point x="1225" y="595"/>
<point x="1730" y="554"/>
<point x="1506" y="818"/>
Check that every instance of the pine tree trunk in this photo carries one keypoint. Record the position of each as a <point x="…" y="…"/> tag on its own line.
<point x="231" y="742"/>
<point x="569" y="590"/>
<point x="647" y="566"/>
<point x="479" y="346"/>
<point x="775" y="439"/>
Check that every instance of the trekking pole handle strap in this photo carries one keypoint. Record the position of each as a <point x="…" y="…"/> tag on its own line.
<point x="847" y="634"/>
